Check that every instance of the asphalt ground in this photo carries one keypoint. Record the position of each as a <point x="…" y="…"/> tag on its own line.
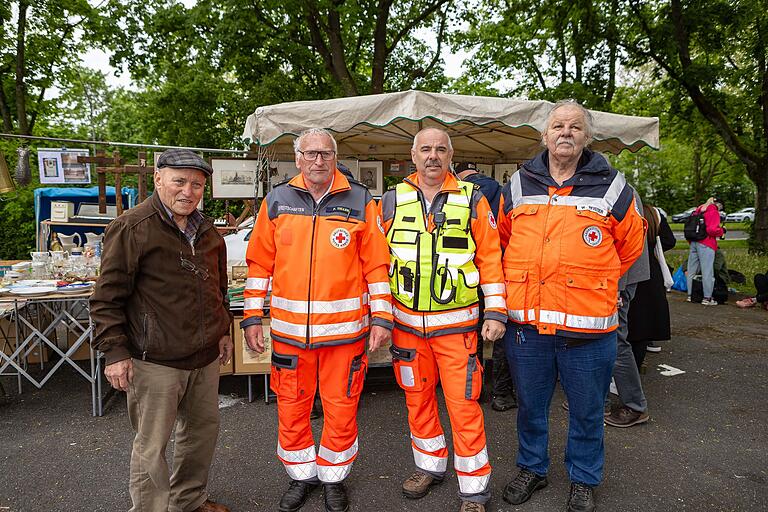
<point x="704" y="448"/>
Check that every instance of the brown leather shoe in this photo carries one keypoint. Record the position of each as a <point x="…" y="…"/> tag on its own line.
<point x="471" y="506"/>
<point x="211" y="506"/>
<point x="417" y="485"/>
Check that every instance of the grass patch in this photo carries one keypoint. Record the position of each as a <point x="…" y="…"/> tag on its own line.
<point x="737" y="258"/>
<point x="723" y="244"/>
<point x="731" y="226"/>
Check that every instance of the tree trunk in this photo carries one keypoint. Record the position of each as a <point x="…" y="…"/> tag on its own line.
<point x="761" y="209"/>
<point x="5" y="110"/>
<point x="21" y="87"/>
<point x="380" y="53"/>
<point x="698" y="182"/>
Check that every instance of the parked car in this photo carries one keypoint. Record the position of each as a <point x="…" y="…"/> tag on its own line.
<point x="682" y="217"/>
<point x="745" y="214"/>
<point x="237" y="243"/>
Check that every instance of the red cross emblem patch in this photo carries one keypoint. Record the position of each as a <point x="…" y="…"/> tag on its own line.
<point x="340" y="238"/>
<point x="592" y="236"/>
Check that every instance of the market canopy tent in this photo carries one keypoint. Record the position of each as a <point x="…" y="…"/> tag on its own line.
<point x="482" y="129"/>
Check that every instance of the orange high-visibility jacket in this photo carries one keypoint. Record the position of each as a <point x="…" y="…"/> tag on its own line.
<point x="566" y="247"/>
<point x="327" y="261"/>
<point x="487" y="259"/>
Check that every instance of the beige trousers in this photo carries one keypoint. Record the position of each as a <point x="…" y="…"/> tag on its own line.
<point x="160" y="398"/>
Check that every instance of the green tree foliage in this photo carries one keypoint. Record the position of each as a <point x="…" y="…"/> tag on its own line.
<point x="39" y="42"/>
<point x="544" y="50"/>
<point x="309" y="49"/>
<point x="713" y="52"/>
<point x="693" y="162"/>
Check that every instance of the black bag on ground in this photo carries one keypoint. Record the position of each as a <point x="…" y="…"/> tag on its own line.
<point x="719" y="292"/>
<point x="695" y="229"/>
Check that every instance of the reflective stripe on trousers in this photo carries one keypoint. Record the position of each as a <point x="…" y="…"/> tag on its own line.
<point x="299" y="464"/>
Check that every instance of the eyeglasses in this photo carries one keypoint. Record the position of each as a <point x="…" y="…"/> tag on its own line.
<point x="312" y="155"/>
<point x="188" y="265"/>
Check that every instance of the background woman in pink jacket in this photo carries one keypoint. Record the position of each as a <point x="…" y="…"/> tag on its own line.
<point x="702" y="254"/>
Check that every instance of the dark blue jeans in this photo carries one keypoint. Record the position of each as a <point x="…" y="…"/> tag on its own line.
<point x="585" y="370"/>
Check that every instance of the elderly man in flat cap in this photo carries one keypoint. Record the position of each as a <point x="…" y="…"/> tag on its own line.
<point x="162" y="320"/>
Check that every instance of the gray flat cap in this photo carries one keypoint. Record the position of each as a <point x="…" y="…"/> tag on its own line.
<point x="183" y="159"/>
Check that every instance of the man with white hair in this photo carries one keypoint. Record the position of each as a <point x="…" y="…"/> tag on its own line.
<point x="570" y="227"/>
<point x="318" y="238"/>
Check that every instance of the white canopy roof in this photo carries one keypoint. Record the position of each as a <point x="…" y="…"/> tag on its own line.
<point x="483" y="129"/>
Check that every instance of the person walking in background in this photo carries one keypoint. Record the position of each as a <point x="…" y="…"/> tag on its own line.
<point x="162" y="318"/>
<point x="702" y="252"/>
<point x="503" y="388"/>
<point x="633" y="409"/>
<point x="570" y="229"/>
<point x="649" y="310"/>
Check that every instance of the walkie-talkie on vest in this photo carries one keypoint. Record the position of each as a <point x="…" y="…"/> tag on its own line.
<point x="407" y="274"/>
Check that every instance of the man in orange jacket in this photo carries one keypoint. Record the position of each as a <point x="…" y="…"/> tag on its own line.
<point x="570" y="226"/>
<point x="319" y="238"/>
<point x="443" y="247"/>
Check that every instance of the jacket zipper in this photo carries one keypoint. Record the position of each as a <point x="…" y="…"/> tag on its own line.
<point x="315" y="209"/>
<point x="146" y="335"/>
<point x="311" y="266"/>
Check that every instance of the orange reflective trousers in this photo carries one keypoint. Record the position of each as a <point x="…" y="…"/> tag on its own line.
<point x="295" y="373"/>
<point x="418" y="364"/>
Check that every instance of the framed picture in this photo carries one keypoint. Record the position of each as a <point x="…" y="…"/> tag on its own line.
<point x="234" y="178"/>
<point x="502" y="172"/>
<point x="372" y="176"/>
<point x="61" y="166"/>
<point x="486" y="169"/>
<point x="248" y="362"/>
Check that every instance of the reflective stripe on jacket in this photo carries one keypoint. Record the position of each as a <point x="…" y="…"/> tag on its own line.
<point x="456" y="317"/>
<point x="566" y="246"/>
<point x="327" y="262"/>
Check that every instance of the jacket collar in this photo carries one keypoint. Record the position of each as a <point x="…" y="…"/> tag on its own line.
<point x="450" y="183"/>
<point x="162" y="210"/>
<point x="340" y="182"/>
<point x="590" y="162"/>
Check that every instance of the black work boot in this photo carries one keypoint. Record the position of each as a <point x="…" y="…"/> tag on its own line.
<point x="523" y="486"/>
<point x="581" y="499"/>
<point x="503" y="403"/>
<point x="335" y="496"/>
<point x="293" y="499"/>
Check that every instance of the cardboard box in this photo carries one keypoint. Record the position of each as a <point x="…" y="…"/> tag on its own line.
<point x="62" y="211"/>
<point x="248" y="362"/>
<point x="381" y="357"/>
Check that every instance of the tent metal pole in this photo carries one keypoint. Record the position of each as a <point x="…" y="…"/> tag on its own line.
<point x="124" y="144"/>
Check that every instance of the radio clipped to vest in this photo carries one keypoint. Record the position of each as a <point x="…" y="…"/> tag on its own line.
<point x="433" y="271"/>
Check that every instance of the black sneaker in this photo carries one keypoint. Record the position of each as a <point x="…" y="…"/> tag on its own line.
<point x="503" y="403"/>
<point x="523" y="486"/>
<point x="293" y="499"/>
<point x="581" y="498"/>
<point x="335" y="496"/>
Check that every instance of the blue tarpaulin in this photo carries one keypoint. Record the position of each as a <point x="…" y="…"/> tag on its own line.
<point x="76" y="195"/>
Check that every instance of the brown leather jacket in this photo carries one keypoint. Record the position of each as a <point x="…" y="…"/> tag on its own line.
<point x="145" y="305"/>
